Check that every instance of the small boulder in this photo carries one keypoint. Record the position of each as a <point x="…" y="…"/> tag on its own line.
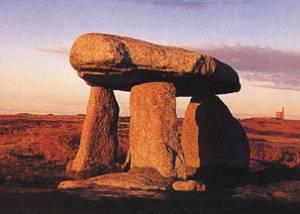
<point x="188" y="186"/>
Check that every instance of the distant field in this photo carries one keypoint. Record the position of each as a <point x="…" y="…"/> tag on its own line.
<point x="35" y="149"/>
<point x="273" y="140"/>
<point x="56" y="138"/>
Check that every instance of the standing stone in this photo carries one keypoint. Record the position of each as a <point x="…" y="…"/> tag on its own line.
<point x="153" y="128"/>
<point x="98" y="143"/>
<point x="212" y="138"/>
<point x="189" y="138"/>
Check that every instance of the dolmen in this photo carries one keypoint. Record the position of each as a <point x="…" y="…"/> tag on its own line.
<point x="158" y="158"/>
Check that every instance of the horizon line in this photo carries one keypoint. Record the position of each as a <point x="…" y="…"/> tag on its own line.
<point x="236" y="115"/>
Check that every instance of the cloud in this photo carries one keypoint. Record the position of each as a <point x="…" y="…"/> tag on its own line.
<point x="55" y="50"/>
<point x="70" y="103"/>
<point x="273" y="68"/>
<point x="185" y="4"/>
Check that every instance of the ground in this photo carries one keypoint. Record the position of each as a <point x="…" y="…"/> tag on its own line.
<point x="34" y="151"/>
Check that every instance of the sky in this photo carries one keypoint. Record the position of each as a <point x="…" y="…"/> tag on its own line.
<point x="258" y="38"/>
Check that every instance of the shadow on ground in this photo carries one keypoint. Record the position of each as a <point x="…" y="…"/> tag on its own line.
<point x="275" y="189"/>
<point x="63" y="202"/>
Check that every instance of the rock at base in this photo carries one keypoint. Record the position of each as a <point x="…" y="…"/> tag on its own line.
<point x="153" y="128"/>
<point x="212" y="138"/>
<point x="188" y="186"/>
<point x="98" y="143"/>
<point x="142" y="179"/>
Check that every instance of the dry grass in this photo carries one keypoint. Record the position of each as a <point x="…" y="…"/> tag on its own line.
<point x="35" y="149"/>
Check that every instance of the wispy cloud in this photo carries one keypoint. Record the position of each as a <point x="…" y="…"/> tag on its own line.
<point x="71" y="103"/>
<point x="55" y="50"/>
<point x="186" y="4"/>
<point x="274" y="68"/>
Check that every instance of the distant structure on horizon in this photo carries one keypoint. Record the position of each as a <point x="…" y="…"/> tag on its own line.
<point x="280" y="114"/>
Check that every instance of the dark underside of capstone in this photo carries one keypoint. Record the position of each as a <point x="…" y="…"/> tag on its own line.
<point x="186" y="85"/>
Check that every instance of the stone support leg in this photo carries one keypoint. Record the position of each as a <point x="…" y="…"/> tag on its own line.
<point x="153" y="128"/>
<point x="98" y="143"/>
<point x="212" y="138"/>
<point x="190" y="138"/>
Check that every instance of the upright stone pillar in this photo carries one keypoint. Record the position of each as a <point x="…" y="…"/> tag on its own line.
<point x="212" y="138"/>
<point x="98" y="143"/>
<point x="190" y="138"/>
<point x="153" y="128"/>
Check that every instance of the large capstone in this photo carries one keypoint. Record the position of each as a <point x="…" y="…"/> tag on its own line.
<point x="153" y="129"/>
<point x="117" y="62"/>
<point x="212" y="138"/>
<point x="98" y="143"/>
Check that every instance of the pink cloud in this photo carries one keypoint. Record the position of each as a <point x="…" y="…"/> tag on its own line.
<point x="278" y="68"/>
<point x="185" y="4"/>
<point x="56" y="50"/>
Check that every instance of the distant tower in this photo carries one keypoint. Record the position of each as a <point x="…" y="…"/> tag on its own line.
<point x="280" y="114"/>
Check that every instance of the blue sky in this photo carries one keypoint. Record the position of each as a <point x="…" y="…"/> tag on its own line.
<point x="260" y="39"/>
